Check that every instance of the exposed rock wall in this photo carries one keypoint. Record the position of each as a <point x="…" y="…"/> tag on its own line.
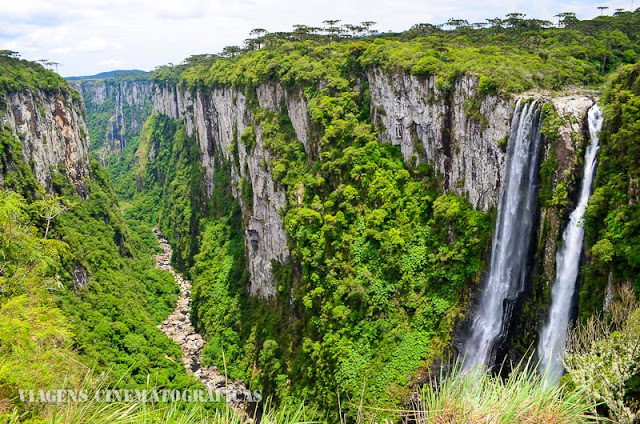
<point x="573" y="111"/>
<point x="458" y="134"/>
<point x="218" y="117"/>
<point x="52" y="132"/>
<point x="461" y="135"/>
<point x="126" y="103"/>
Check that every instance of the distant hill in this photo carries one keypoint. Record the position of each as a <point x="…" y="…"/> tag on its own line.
<point x="109" y="74"/>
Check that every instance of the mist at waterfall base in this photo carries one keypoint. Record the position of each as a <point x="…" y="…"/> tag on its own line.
<point x="553" y="337"/>
<point x="511" y="240"/>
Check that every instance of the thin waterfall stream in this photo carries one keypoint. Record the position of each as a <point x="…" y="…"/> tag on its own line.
<point x="511" y="240"/>
<point x="553" y="337"/>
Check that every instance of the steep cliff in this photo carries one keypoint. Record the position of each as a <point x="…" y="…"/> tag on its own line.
<point x="456" y="136"/>
<point x="217" y="118"/>
<point x="117" y="108"/>
<point x="457" y="132"/>
<point x="366" y="174"/>
<point x="52" y="133"/>
<point x="461" y="134"/>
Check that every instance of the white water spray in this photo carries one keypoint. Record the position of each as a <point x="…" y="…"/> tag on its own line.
<point x="511" y="239"/>
<point x="553" y="337"/>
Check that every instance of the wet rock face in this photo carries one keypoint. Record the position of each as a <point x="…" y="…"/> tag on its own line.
<point x="573" y="111"/>
<point x="178" y="327"/>
<point x="52" y="132"/>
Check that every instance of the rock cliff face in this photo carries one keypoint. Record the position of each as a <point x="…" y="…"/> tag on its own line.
<point x="52" y="132"/>
<point x="123" y="105"/>
<point x="458" y="134"/>
<point x="571" y="138"/>
<point x="461" y="134"/>
<point x="217" y="118"/>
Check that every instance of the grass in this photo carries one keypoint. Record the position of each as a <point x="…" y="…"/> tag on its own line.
<point x="473" y="397"/>
<point x="98" y="410"/>
<point x="479" y="397"/>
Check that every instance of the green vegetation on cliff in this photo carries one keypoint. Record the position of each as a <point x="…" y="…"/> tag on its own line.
<point x="510" y="56"/>
<point x="381" y="259"/>
<point x="78" y="288"/>
<point x="612" y="219"/>
<point x="18" y="75"/>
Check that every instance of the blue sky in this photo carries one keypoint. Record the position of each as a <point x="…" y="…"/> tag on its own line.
<point x="91" y="36"/>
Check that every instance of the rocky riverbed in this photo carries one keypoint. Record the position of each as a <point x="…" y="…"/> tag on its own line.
<point x="178" y="327"/>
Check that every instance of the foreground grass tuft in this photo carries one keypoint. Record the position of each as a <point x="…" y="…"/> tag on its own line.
<point x="479" y="397"/>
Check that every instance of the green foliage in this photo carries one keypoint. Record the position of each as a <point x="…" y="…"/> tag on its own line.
<point x="172" y="186"/>
<point x="16" y="172"/>
<point x="383" y="258"/>
<point x="35" y="337"/>
<point x="603" y="358"/>
<point x="613" y="215"/>
<point x="115" y="317"/>
<point x="100" y="114"/>
<point x="248" y="137"/>
<point x="78" y="288"/>
<point x="477" y="396"/>
<point x="511" y="56"/>
<point x="551" y="123"/>
<point x="18" y="75"/>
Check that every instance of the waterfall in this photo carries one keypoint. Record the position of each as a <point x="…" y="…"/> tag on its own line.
<point x="511" y="240"/>
<point x="553" y="336"/>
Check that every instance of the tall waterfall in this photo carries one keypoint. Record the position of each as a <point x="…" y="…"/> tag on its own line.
<point x="553" y="336"/>
<point x="511" y="239"/>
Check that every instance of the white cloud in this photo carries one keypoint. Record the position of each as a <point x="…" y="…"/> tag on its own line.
<point x="90" y="36"/>
<point x="110" y="63"/>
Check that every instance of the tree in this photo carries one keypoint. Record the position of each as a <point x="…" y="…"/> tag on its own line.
<point x="515" y="20"/>
<point x="9" y="53"/>
<point x="602" y="9"/>
<point x="495" y="22"/>
<point x="50" y="207"/>
<point x="25" y="258"/>
<point x="232" y="51"/>
<point x="457" y="23"/>
<point x="352" y="30"/>
<point x="334" y="31"/>
<point x="302" y="32"/>
<point x="258" y="32"/>
<point x="565" y="19"/>
<point x="367" y="26"/>
<point x="423" y="30"/>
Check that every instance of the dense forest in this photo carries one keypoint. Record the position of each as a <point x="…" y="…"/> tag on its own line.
<point x="384" y="253"/>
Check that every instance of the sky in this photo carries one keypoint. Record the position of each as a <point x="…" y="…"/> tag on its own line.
<point x="91" y="36"/>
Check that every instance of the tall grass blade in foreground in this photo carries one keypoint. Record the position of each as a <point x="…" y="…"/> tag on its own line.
<point x="479" y="397"/>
